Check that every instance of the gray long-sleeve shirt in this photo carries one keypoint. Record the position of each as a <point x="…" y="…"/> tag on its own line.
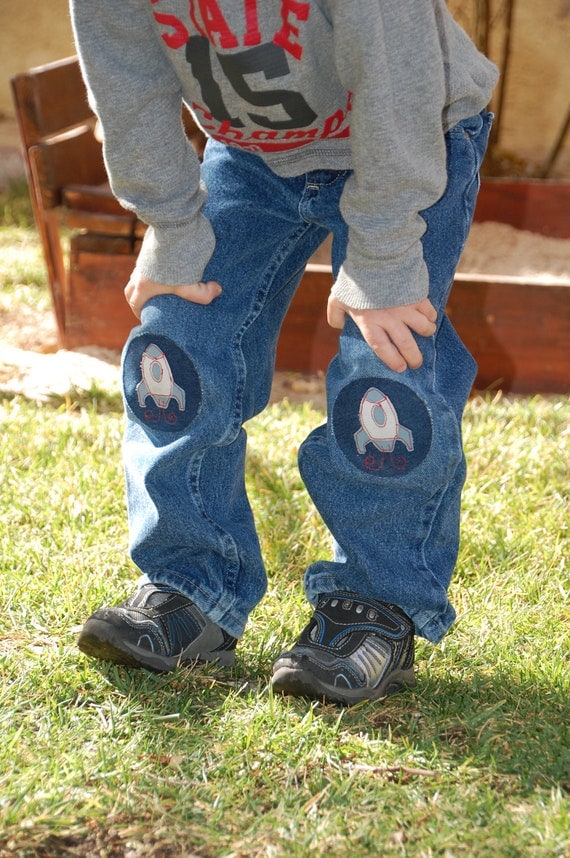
<point x="367" y="85"/>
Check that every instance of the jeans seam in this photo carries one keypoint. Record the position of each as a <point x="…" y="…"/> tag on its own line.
<point x="256" y="309"/>
<point x="195" y="473"/>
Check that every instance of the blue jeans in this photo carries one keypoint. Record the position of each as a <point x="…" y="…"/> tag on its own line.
<point x="387" y="469"/>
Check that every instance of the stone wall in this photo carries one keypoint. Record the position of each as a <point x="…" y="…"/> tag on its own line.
<point x="537" y="84"/>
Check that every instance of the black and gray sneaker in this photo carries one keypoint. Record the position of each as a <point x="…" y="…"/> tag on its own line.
<point x="353" y="649"/>
<point x="158" y="628"/>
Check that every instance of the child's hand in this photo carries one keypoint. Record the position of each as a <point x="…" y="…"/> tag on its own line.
<point x="388" y="331"/>
<point x="139" y="290"/>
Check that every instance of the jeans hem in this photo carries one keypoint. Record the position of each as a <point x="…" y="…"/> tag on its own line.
<point x="431" y="625"/>
<point x="221" y="610"/>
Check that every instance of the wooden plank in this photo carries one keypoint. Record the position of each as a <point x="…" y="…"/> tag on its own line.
<point x="96" y="243"/>
<point x="50" y="98"/>
<point x="93" y="198"/>
<point x="71" y="158"/>
<point x="517" y="331"/>
<point x="537" y="205"/>
<point x="100" y="223"/>
<point x="96" y="312"/>
<point x="307" y="343"/>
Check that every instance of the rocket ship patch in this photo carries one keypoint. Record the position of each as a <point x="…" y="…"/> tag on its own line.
<point x="379" y="424"/>
<point x="157" y="380"/>
<point x="382" y="427"/>
<point x="161" y="384"/>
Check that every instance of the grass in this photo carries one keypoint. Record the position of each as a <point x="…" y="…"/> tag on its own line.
<point x="97" y="760"/>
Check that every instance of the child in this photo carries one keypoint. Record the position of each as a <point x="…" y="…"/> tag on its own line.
<point x="361" y="118"/>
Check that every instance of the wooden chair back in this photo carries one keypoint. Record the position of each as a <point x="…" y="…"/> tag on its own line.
<point x="64" y="166"/>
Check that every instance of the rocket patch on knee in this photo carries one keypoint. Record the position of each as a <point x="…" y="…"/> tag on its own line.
<point x="161" y="385"/>
<point x="382" y="427"/>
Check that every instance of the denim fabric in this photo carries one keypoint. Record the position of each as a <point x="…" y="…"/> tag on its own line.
<point x="193" y="374"/>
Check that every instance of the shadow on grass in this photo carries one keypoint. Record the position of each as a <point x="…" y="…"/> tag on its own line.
<point x="504" y="733"/>
<point x="513" y="729"/>
<point x="497" y="722"/>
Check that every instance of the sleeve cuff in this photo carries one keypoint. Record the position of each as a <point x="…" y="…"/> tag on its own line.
<point x="407" y="282"/>
<point x="177" y="254"/>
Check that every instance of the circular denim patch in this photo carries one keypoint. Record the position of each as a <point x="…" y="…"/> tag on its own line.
<point x="161" y="385"/>
<point x="382" y="427"/>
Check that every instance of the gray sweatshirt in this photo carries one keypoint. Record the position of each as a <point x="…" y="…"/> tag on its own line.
<point x="366" y="85"/>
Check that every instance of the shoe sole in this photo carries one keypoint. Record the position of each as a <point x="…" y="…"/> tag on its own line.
<point x="99" y="640"/>
<point x="297" y="682"/>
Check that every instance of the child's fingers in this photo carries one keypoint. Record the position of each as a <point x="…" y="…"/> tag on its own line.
<point x="336" y="313"/>
<point x="139" y="291"/>
<point x="395" y="346"/>
<point x="199" y="293"/>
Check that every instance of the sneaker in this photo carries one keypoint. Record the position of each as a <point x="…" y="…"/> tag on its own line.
<point x="353" y="649"/>
<point x="158" y="628"/>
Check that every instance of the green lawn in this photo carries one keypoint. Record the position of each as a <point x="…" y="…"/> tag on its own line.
<point x="97" y="760"/>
